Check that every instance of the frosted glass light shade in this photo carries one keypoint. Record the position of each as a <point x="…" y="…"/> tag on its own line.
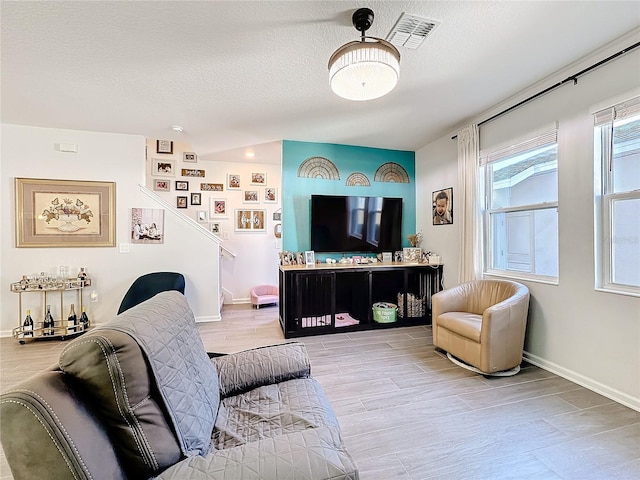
<point x="364" y="70"/>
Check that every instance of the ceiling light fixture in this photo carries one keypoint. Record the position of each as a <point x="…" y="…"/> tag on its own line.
<point x="365" y="69"/>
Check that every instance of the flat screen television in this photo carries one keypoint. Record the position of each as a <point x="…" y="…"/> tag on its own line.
<point x="355" y="223"/>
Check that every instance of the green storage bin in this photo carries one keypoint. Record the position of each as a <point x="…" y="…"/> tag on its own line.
<point x="384" y="312"/>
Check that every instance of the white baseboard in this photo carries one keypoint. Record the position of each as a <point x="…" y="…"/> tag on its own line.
<point x="612" y="393"/>
<point x="240" y="301"/>
<point x="209" y="318"/>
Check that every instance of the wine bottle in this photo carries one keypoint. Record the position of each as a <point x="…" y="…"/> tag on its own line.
<point x="27" y="326"/>
<point x="72" y="320"/>
<point x="49" y="324"/>
<point x="84" y="320"/>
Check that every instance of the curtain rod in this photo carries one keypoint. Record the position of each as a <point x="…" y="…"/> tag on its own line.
<point x="573" y="78"/>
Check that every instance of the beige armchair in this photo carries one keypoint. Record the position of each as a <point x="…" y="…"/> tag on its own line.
<point x="482" y="323"/>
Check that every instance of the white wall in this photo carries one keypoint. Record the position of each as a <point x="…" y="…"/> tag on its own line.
<point x="437" y="169"/>
<point x="586" y="335"/>
<point x="256" y="253"/>
<point x="256" y="260"/>
<point x="30" y="152"/>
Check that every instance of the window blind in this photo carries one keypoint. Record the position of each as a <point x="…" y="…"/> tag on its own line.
<point x="540" y="140"/>
<point x="617" y="112"/>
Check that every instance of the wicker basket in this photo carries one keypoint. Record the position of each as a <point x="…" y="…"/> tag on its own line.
<point x="416" y="305"/>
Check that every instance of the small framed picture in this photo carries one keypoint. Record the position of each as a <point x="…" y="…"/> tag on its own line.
<point x="250" y="196"/>
<point x="181" y="202"/>
<point x="212" y="187"/>
<point x="193" y="172"/>
<point x="309" y="257"/>
<point x="202" y="216"/>
<point x="233" y="181"/>
<point x="258" y="178"/>
<point x="250" y="220"/>
<point x="443" y="206"/>
<point x="215" y="228"/>
<point x="147" y="225"/>
<point x="270" y="195"/>
<point x="163" y="168"/>
<point x="411" y="254"/>
<point x="164" y="146"/>
<point x="182" y="185"/>
<point x="277" y="216"/>
<point x="189" y="157"/>
<point x="218" y="208"/>
<point x="196" y="199"/>
<point x="162" y="185"/>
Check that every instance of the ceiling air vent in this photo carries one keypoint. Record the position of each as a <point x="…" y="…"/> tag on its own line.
<point x="410" y="31"/>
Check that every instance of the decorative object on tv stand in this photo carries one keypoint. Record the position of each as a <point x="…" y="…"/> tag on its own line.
<point x="365" y="69"/>
<point x="415" y="239"/>
<point x="309" y="258"/>
<point x="412" y="254"/>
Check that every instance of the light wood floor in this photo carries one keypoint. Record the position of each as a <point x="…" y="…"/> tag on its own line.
<point x="408" y="413"/>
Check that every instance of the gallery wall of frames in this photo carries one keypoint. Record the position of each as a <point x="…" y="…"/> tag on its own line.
<point x="243" y="198"/>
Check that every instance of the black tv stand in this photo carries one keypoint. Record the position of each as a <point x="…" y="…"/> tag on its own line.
<point x="324" y="299"/>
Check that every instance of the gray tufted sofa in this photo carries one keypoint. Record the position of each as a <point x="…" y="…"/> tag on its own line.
<point x="139" y="398"/>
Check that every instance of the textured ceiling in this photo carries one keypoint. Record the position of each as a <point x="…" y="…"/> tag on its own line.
<point x="239" y="73"/>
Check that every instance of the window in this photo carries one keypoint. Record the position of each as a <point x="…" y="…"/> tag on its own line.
<point x="617" y="155"/>
<point x="521" y="208"/>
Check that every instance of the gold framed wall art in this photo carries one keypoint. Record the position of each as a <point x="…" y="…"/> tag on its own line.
<point x="65" y="213"/>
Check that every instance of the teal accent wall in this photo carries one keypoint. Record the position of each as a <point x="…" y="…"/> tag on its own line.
<point x="297" y="191"/>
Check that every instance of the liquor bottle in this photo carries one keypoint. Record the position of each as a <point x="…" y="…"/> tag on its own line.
<point x="72" y="320"/>
<point x="84" y="320"/>
<point x="49" y="324"/>
<point x="27" y="326"/>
